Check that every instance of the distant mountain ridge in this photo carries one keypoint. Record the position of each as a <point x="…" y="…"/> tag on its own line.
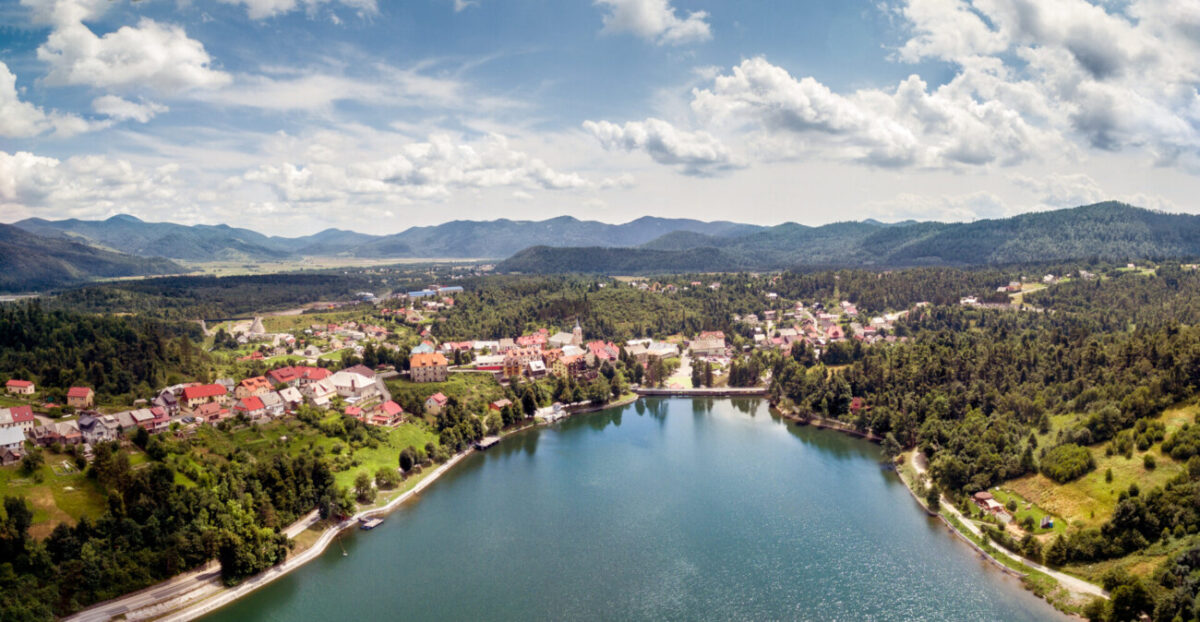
<point x="32" y="262"/>
<point x="493" y="239"/>
<point x="1108" y="231"/>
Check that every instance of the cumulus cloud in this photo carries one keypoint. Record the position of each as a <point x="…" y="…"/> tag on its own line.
<point x="82" y="186"/>
<point x="428" y="170"/>
<point x="945" y="208"/>
<point x="123" y="109"/>
<point x="1117" y="76"/>
<point x="910" y="125"/>
<point x="21" y="119"/>
<point x="149" y="55"/>
<point x="655" y="20"/>
<point x="261" y="9"/>
<point x="695" y="153"/>
<point x="462" y="5"/>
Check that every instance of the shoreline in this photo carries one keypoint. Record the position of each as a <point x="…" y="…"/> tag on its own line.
<point x="207" y="603"/>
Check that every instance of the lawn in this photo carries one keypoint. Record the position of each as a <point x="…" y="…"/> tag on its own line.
<point x="64" y="494"/>
<point x="1025" y="508"/>
<point x="480" y="388"/>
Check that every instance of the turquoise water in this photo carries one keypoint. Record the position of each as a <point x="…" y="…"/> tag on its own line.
<point x="669" y="509"/>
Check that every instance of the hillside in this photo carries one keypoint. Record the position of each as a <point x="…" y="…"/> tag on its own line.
<point x="31" y="262"/>
<point x="1105" y="231"/>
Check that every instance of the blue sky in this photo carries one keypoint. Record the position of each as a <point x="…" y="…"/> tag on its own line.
<point x="289" y="116"/>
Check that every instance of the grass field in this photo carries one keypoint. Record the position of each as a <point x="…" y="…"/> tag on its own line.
<point x="1024" y="509"/>
<point x="478" y="388"/>
<point x="1089" y="500"/>
<point x="63" y="495"/>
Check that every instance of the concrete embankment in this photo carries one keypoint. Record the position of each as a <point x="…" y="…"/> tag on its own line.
<point x="702" y="392"/>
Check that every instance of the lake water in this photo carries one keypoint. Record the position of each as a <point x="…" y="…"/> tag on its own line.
<point x="669" y="509"/>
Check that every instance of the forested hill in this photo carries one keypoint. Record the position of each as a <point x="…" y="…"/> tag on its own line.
<point x="1105" y="231"/>
<point x="32" y="262"/>
<point x="455" y="239"/>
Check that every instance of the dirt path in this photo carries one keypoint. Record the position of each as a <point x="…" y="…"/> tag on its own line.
<point x="1074" y="584"/>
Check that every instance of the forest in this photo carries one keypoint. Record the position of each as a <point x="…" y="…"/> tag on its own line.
<point x="971" y="388"/>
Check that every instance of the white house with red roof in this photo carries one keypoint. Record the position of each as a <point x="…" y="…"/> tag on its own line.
<point x="203" y="394"/>
<point x="20" y="417"/>
<point x="435" y="403"/>
<point x="20" y="387"/>
<point x="252" y="406"/>
<point x="81" y="397"/>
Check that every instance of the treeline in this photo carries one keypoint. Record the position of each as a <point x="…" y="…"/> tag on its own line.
<point x="154" y="528"/>
<point x="116" y="356"/>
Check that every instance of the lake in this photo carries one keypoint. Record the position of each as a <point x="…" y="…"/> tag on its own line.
<point x="671" y="509"/>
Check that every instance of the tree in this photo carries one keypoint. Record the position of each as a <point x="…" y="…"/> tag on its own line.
<point x="363" y="488"/>
<point x="708" y="374"/>
<point x="1056" y="555"/>
<point x="933" y="497"/>
<point x="387" y="478"/>
<point x="408" y="458"/>
<point x="891" y="447"/>
<point x="32" y="462"/>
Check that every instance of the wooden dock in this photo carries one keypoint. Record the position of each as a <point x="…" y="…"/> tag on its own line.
<point x="487" y="442"/>
<point x="370" y="523"/>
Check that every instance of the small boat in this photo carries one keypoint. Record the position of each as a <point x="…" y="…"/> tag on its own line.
<point x="370" y="523"/>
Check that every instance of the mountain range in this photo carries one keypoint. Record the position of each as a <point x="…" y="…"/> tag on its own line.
<point x="39" y="254"/>
<point x="1105" y="231"/>
<point x="494" y="239"/>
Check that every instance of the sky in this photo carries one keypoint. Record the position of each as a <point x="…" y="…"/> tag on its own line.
<point x="292" y="116"/>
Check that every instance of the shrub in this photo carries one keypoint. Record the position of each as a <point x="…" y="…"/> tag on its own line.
<point x="1149" y="462"/>
<point x="1067" y="462"/>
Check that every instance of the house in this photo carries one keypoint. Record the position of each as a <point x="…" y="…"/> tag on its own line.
<point x="309" y="375"/>
<point x="662" y="349"/>
<point x="252" y="406"/>
<point x="536" y="368"/>
<point x="430" y="367"/>
<point x="81" y="397"/>
<point x="273" y="403"/>
<point x="150" y="419"/>
<point x="988" y="504"/>
<point x="211" y="412"/>
<point x="354" y="411"/>
<point x="289" y="376"/>
<point x="12" y="439"/>
<point x="93" y="429"/>
<point x="19" y="387"/>
<point x="167" y="401"/>
<point x="714" y="346"/>
<point x="499" y="405"/>
<point x="602" y="351"/>
<point x="517" y="360"/>
<point x="435" y="403"/>
<point x="573" y="365"/>
<point x="10" y="456"/>
<point x="352" y="384"/>
<point x="255" y="386"/>
<point x="292" y="399"/>
<point x="320" y="392"/>
<point x="639" y="352"/>
<point x="423" y="348"/>
<point x="20" y="417"/>
<point x="68" y="433"/>
<point x="44" y="435"/>
<point x="388" y="413"/>
<point x="203" y="394"/>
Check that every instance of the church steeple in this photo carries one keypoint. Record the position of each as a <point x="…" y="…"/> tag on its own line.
<point x="577" y="334"/>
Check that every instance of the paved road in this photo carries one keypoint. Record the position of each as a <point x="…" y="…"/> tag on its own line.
<point x="205" y="578"/>
<point x="1074" y="584"/>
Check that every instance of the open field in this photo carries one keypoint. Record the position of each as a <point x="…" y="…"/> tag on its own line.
<point x="1089" y="500"/>
<point x="473" y="387"/>
<point x="1025" y="509"/>
<point x="64" y="494"/>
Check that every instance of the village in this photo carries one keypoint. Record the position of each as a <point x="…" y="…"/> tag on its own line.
<point x="301" y="367"/>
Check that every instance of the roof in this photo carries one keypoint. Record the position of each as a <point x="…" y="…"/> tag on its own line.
<point x="141" y="414"/>
<point x="983" y="496"/>
<point x="361" y="370"/>
<point x="256" y="383"/>
<point x="9" y="436"/>
<point x="284" y="374"/>
<point x="438" y="398"/>
<point x="315" y="373"/>
<point x="18" y="384"/>
<point x="79" y="392"/>
<point x="21" y="414"/>
<point x="291" y="394"/>
<point x="432" y="359"/>
<point x="206" y="410"/>
<point x="204" y="391"/>
<point x="353" y="411"/>
<point x="251" y="403"/>
<point x="391" y="408"/>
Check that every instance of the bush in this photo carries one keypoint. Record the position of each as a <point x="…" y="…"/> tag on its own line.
<point x="1067" y="462"/>
<point x="1149" y="462"/>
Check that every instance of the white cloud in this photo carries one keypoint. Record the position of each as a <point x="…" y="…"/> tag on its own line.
<point x="462" y="5"/>
<point x="655" y="20"/>
<point x="150" y="55"/>
<point x="123" y="109"/>
<point x="429" y="170"/>
<point x="695" y="153"/>
<point x="945" y="208"/>
<point x="82" y="186"/>
<point x="261" y="9"/>
<point x="21" y="119"/>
